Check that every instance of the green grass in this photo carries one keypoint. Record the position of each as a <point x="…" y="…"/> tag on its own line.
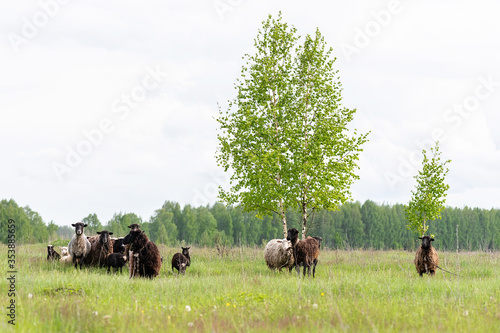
<point x="354" y="291"/>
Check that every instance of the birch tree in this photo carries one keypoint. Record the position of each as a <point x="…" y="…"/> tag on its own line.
<point x="284" y="137"/>
<point x="429" y="197"/>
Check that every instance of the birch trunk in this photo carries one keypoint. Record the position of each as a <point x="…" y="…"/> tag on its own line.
<point x="283" y="219"/>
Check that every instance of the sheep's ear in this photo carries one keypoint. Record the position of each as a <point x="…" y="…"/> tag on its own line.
<point x="98" y="232"/>
<point x="110" y="233"/>
<point x="432" y="239"/>
<point x="84" y="225"/>
<point x="420" y="238"/>
<point x="187" y="248"/>
<point x="73" y="225"/>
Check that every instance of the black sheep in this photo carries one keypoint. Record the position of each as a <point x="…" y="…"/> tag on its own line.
<point x="181" y="260"/>
<point x="116" y="260"/>
<point x="118" y="246"/>
<point x="133" y="226"/>
<point x="52" y="254"/>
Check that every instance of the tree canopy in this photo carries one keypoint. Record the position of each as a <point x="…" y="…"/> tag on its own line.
<point x="429" y="197"/>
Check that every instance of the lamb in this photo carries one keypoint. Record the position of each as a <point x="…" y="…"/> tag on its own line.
<point x="116" y="260"/>
<point x="305" y="252"/>
<point x="145" y="259"/>
<point x="52" y="254"/>
<point x="100" y="249"/>
<point x="278" y="254"/>
<point x="79" y="245"/>
<point x="65" y="257"/>
<point x="181" y="261"/>
<point x="426" y="258"/>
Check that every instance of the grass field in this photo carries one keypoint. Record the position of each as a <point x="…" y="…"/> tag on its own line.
<point x="354" y="291"/>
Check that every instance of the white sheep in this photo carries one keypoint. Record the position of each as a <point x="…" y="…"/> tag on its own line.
<point x="65" y="256"/>
<point x="278" y="254"/>
<point x="79" y="246"/>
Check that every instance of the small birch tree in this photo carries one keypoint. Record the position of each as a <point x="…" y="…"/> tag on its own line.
<point x="428" y="199"/>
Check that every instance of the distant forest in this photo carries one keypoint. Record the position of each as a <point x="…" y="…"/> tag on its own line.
<point x="353" y="226"/>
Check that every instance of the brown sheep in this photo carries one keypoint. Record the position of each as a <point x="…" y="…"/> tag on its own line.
<point x="426" y="258"/>
<point x="305" y="252"/>
<point x="145" y="260"/>
<point x="100" y="248"/>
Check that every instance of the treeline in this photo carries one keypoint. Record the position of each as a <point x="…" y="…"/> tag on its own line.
<point x="353" y="226"/>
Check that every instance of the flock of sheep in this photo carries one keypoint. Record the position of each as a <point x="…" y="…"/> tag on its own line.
<point x="144" y="258"/>
<point x="292" y="252"/>
<point x="101" y="250"/>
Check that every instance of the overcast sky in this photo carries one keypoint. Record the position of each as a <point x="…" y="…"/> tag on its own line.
<point x="109" y="106"/>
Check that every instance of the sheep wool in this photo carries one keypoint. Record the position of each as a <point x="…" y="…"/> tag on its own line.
<point x="426" y="258"/>
<point x="278" y="254"/>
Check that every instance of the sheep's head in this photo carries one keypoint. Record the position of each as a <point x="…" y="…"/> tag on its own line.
<point x="132" y="236"/>
<point x="426" y="241"/>
<point x="185" y="251"/>
<point x="292" y="235"/>
<point x="64" y="251"/>
<point x="134" y="226"/>
<point x="104" y="236"/>
<point x="79" y="227"/>
<point x="319" y="239"/>
<point x="50" y="249"/>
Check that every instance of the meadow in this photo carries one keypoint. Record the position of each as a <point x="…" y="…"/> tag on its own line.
<point x="354" y="291"/>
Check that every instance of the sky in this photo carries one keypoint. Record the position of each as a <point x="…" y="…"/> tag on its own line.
<point x="110" y="107"/>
